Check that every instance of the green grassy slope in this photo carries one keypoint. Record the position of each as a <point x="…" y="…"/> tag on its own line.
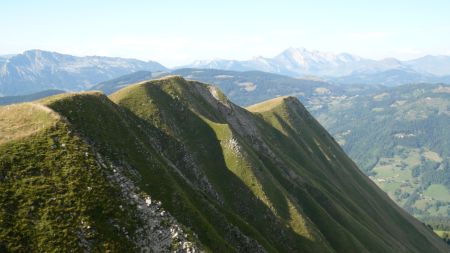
<point x="54" y="196"/>
<point x="179" y="109"/>
<point x="259" y="171"/>
<point x="235" y="181"/>
<point x="333" y="170"/>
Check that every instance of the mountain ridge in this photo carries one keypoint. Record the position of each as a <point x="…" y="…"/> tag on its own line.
<point x="340" y="111"/>
<point x="229" y="179"/>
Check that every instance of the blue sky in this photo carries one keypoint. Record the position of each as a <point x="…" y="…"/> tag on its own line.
<point x="178" y="32"/>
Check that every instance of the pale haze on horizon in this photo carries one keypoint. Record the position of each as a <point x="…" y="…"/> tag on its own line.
<point x="178" y="32"/>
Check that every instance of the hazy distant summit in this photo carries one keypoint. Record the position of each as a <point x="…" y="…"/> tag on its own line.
<point x="304" y="62"/>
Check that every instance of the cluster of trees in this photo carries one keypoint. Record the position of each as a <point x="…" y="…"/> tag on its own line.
<point x="439" y="224"/>
<point x="436" y="173"/>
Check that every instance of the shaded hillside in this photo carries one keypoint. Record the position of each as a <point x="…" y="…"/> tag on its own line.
<point x="173" y="165"/>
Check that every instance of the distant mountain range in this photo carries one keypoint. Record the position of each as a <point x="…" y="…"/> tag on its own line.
<point x="341" y="68"/>
<point x="37" y="70"/>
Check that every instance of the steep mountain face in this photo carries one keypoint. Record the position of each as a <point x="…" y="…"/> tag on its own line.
<point x="400" y="137"/>
<point x="173" y="165"/>
<point x="37" y="70"/>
